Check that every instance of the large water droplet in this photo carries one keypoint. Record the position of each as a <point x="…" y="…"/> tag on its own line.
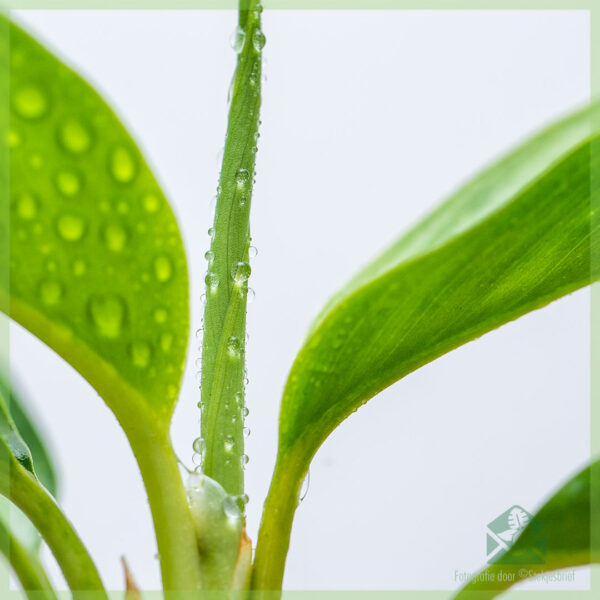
<point x="242" y="177"/>
<point x="30" y="102"/>
<point x="122" y="164"/>
<point x="115" y="237"/>
<point x="210" y="257"/>
<point x="241" y="273"/>
<point x="234" y="347"/>
<point x="75" y="136"/>
<point x="163" y="268"/>
<point x="258" y="40"/>
<point x="26" y="206"/>
<point x="212" y="281"/>
<point x="68" y="183"/>
<point x="231" y="508"/>
<point x="108" y="314"/>
<point x="140" y="353"/>
<point x="237" y="39"/>
<point x="252" y="251"/>
<point x="50" y="292"/>
<point x="71" y="228"/>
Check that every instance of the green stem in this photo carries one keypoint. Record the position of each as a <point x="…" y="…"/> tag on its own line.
<point x="276" y="525"/>
<point x="70" y="553"/>
<point x="173" y="525"/>
<point x="223" y="352"/>
<point x="26" y="565"/>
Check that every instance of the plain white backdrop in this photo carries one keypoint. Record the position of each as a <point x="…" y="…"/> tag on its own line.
<point x="369" y="119"/>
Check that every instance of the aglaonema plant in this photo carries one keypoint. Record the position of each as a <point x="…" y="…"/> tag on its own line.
<point x="97" y="271"/>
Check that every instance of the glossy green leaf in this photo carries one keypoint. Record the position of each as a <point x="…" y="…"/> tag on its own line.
<point x="97" y="265"/>
<point x="19" y="484"/>
<point x="562" y="533"/>
<point x="98" y="270"/>
<point x="516" y="238"/>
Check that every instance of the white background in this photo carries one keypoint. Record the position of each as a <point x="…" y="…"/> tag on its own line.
<point x="369" y="119"/>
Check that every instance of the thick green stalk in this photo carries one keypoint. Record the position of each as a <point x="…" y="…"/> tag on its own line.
<point x="223" y="347"/>
<point x="26" y="566"/>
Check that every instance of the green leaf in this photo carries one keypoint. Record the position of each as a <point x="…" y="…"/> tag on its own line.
<point x="19" y="484"/>
<point x="563" y="525"/>
<point x="513" y="240"/>
<point x="98" y="270"/>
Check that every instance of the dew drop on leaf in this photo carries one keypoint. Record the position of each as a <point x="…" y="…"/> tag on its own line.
<point x="242" y="177"/>
<point x="108" y="314"/>
<point x="252" y="251"/>
<point x="75" y="136"/>
<point x="50" y="292"/>
<point x="30" y="102"/>
<point x="258" y="40"/>
<point x="26" y="206"/>
<point x="199" y="445"/>
<point x="140" y="353"/>
<point x="212" y="281"/>
<point x="246" y="431"/>
<point x="237" y="39"/>
<point x="160" y="315"/>
<point x="241" y="273"/>
<point x="122" y="164"/>
<point x="115" y="237"/>
<point x="244" y="460"/>
<point x="71" y="228"/>
<point x="68" y="183"/>
<point x="163" y="268"/>
<point x="231" y="507"/>
<point x="151" y="203"/>
<point x="234" y="347"/>
<point x="229" y="443"/>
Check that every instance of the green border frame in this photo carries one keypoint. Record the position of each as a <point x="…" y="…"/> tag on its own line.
<point x="591" y="6"/>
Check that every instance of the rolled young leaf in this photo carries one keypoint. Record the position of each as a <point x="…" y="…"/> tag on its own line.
<point x="98" y="270"/>
<point x="571" y="536"/>
<point x="516" y="238"/>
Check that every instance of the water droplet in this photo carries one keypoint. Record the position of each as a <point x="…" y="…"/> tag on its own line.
<point x="250" y="296"/>
<point x="234" y="347"/>
<point x="245" y="412"/>
<point x="244" y="460"/>
<point x="115" y="237"/>
<point x="243" y="200"/>
<point x="199" y="445"/>
<point x="239" y="398"/>
<point x="231" y="508"/>
<point x="68" y="183"/>
<point x="108" y="314"/>
<point x="258" y="40"/>
<point x="13" y="139"/>
<point x="212" y="281"/>
<point x="50" y="292"/>
<point x="75" y="136"/>
<point x="199" y="332"/>
<point x="304" y="489"/>
<point x="70" y="227"/>
<point x="209" y="256"/>
<point x="242" y="177"/>
<point x="241" y="273"/>
<point x="237" y="39"/>
<point x="246" y="431"/>
<point x="122" y="164"/>
<point x="202" y="299"/>
<point x="26" y="206"/>
<point x="211" y="232"/>
<point x="79" y="268"/>
<point x="252" y="251"/>
<point x="140" y="353"/>
<point x="197" y="460"/>
<point x="229" y="443"/>
<point x="160" y="315"/>
<point x="151" y="203"/>
<point x="30" y="102"/>
<point x="166" y="341"/>
<point x="163" y="268"/>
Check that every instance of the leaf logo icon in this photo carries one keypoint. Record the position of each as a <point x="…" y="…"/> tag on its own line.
<point x="517" y="519"/>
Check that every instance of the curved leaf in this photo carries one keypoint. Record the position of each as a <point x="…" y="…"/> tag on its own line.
<point x="98" y="271"/>
<point x="97" y="265"/>
<point x="563" y="527"/>
<point x="19" y="484"/>
<point x="512" y="241"/>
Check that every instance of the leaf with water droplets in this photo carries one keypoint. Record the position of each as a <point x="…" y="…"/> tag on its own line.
<point x="98" y="256"/>
<point x="514" y="239"/>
